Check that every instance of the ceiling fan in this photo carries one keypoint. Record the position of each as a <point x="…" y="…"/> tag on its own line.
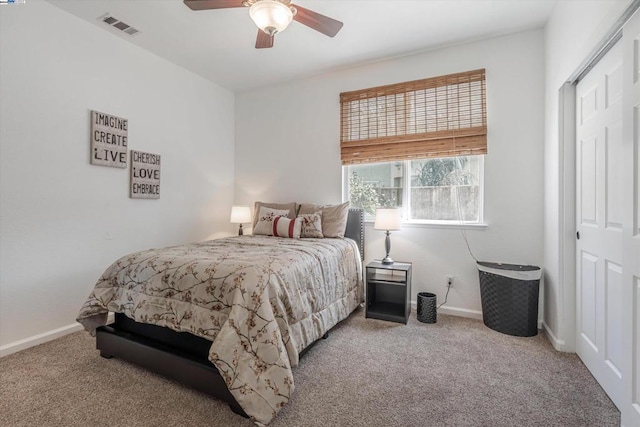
<point x="273" y="16"/>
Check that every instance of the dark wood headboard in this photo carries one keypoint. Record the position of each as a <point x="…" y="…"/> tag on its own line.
<point x="355" y="228"/>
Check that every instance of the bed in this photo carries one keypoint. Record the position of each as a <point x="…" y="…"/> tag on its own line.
<point x="229" y="317"/>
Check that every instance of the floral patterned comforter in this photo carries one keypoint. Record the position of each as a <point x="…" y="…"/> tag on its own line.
<point x="260" y="300"/>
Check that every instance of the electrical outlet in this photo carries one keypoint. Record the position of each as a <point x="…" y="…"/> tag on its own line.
<point x="449" y="280"/>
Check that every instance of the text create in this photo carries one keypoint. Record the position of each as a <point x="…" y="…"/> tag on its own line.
<point x="109" y="138"/>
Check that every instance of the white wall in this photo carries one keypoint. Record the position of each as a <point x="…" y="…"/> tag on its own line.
<point x="287" y="148"/>
<point x="573" y="31"/>
<point x="57" y="211"/>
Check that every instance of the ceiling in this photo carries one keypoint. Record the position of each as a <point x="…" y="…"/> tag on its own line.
<point x="219" y="44"/>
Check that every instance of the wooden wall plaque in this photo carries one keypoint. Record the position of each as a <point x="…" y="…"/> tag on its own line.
<point x="109" y="136"/>
<point x="145" y="175"/>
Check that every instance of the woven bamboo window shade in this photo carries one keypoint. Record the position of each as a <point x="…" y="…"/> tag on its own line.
<point x="435" y="117"/>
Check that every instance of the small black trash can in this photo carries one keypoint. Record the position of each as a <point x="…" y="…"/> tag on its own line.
<point x="509" y="295"/>
<point x="426" y="307"/>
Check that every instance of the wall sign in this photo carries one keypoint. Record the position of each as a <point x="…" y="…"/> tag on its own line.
<point x="145" y="175"/>
<point x="108" y="140"/>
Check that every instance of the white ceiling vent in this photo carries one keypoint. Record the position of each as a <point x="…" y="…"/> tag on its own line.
<point x="116" y="23"/>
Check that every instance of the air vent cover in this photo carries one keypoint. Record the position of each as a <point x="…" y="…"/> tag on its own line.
<point x="117" y="24"/>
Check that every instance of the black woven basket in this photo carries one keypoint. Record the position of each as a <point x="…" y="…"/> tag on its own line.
<point x="509" y="295"/>
<point x="426" y="307"/>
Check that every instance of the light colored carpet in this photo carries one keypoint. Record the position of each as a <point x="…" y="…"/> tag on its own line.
<point x="456" y="372"/>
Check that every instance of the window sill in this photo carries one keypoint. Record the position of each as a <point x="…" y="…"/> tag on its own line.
<point x="436" y="224"/>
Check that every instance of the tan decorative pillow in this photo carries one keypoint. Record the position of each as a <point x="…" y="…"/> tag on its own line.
<point x="308" y="208"/>
<point x="334" y="217"/>
<point x="311" y="225"/>
<point x="291" y="207"/>
<point x="265" y="220"/>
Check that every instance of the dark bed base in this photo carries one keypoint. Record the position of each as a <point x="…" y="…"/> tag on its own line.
<point x="171" y="361"/>
<point x="179" y="355"/>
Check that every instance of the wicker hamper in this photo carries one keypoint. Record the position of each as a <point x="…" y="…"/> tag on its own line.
<point x="509" y="295"/>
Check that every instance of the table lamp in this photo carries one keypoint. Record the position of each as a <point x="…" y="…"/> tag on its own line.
<point x="387" y="219"/>
<point x="240" y="215"/>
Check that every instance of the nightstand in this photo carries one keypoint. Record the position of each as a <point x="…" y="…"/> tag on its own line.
<point x="388" y="291"/>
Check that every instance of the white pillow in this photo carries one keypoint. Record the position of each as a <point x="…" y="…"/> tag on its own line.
<point x="285" y="227"/>
<point x="266" y="216"/>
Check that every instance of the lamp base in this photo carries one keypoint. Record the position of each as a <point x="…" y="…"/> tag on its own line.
<point x="240" y="231"/>
<point x="387" y="248"/>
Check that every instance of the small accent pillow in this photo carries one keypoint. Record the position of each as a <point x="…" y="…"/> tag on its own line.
<point x="311" y="225"/>
<point x="285" y="227"/>
<point x="266" y="216"/>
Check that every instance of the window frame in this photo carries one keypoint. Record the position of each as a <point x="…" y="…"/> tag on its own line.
<point x="406" y="195"/>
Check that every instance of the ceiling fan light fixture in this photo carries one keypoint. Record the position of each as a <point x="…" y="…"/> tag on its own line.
<point x="271" y="16"/>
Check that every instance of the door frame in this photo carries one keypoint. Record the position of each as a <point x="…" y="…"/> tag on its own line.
<point x="567" y="214"/>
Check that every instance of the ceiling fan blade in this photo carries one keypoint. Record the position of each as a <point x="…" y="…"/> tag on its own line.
<point x="264" y="40"/>
<point x="324" y="24"/>
<point x="212" y="4"/>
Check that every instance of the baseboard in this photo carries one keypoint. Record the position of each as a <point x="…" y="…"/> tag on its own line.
<point x="42" y="338"/>
<point x="463" y="312"/>
<point x="557" y="343"/>
<point x="35" y="340"/>
<point x="455" y="311"/>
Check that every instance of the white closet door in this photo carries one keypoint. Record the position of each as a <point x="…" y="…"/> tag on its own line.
<point x="600" y="210"/>
<point x="631" y="220"/>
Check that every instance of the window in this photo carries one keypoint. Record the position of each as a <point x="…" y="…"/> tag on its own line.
<point x="417" y="145"/>
<point x="447" y="189"/>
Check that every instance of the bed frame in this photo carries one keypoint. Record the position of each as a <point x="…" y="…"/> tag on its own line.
<point x="182" y="356"/>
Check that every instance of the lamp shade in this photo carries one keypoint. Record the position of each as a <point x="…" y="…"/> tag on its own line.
<point x="387" y="219"/>
<point x="271" y="16"/>
<point x="240" y="214"/>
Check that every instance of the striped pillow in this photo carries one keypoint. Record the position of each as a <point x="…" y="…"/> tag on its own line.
<point x="285" y="227"/>
<point x="266" y="215"/>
